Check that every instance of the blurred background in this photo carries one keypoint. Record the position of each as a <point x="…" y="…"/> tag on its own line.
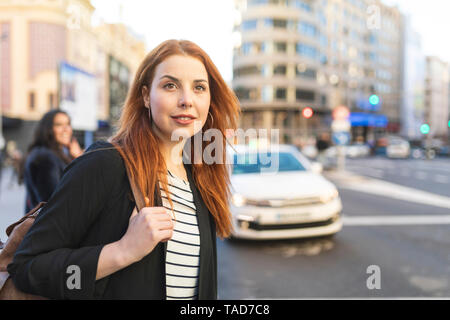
<point x="360" y="87"/>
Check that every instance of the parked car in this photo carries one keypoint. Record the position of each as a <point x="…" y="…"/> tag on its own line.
<point x="357" y="150"/>
<point x="283" y="197"/>
<point x="398" y="148"/>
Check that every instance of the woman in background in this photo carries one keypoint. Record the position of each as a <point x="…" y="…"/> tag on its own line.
<point x="52" y="149"/>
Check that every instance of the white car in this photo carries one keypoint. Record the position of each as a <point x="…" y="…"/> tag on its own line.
<point x="398" y="148"/>
<point x="288" y="200"/>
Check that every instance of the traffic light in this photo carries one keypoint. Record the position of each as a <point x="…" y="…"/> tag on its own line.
<point x="425" y="129"/>
<point x="374" y="100"/>
<point x="307" y="113"/>
<point x="449" y="123"/>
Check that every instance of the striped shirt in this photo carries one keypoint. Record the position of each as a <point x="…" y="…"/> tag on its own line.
<point x="183" y="250"/>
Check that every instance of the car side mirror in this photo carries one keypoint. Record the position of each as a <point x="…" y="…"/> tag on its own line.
<point x="317" y="167"/>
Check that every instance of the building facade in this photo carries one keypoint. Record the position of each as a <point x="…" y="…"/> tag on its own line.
<point x="413" y="84"/>
<point x="37" y="36"/>
<point x="320" y="54"/>
<point x="437" y="97"/>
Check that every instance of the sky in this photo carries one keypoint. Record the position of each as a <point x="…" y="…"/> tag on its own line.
<point x="209" y="23"/>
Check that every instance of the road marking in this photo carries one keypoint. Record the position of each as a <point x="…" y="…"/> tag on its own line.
<point x="357" y="183"/>
<point x="421" y="175"/>
<point x="394" y="220"/>
<point x="439" y="178"/>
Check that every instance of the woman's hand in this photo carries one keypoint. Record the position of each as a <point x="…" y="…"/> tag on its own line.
<point x="75" y="149"/>
<point x="145" y="230"/>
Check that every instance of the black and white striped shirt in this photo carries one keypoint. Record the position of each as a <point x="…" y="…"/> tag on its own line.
<point x="183" y="250"/>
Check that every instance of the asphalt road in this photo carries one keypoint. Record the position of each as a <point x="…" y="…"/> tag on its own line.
<point x="408" y="241"/>
<point x="428" y="175"/>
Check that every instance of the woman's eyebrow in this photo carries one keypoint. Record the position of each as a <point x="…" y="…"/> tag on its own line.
<point x="176" y="80"/>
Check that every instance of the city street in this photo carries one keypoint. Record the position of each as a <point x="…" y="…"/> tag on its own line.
<point x="396" y="222"/>
<point x="397" y="227"/>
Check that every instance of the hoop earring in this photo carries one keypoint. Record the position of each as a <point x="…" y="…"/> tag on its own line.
<point x="212" y="118"/>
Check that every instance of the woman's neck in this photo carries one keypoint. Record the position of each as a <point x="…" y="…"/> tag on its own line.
<point x="173" y="157"/>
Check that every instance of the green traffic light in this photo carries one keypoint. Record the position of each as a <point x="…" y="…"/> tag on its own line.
<point x="425" y="129"/>
<point x="374" y="100"/>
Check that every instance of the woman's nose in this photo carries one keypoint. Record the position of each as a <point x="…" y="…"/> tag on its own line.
<point x="186" y="100"/>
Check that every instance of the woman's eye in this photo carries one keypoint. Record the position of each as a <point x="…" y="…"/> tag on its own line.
<point x="170" y="86"/>
<point x="200" y="88"/>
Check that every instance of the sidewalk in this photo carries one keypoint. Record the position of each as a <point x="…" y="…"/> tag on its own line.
<point x="12" y="202"/>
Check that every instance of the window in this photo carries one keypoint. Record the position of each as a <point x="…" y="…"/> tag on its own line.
<point x="247" y="70"/>
<point x="246" y="48"/>
<point x="280" y="93"/>
<point x="303" y="5"/>
<point x="307" y="51"/>
<point x="276" y="23"/>
<point x="306" y="95"/>
<point x="247" y="93"/>
<point x="280" y="69"/>
<point x="279" y="23"/>
<point x="306" y="73"/>
<point x="280" y="47"/>
<point x="31" y="100"/>
<point x="307" y="29"/>
<point x="249" y="24"/>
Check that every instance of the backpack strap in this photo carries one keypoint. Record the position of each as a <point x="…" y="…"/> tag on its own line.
<point x="138" y="197"/>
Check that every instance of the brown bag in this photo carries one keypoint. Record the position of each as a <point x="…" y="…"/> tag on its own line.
<point x="15" y="232"/>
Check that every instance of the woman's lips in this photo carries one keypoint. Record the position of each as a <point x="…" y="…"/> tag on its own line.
<point x="183" y="120"/>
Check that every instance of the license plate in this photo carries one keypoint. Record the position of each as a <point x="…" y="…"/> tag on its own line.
<point x="292" y="217"/>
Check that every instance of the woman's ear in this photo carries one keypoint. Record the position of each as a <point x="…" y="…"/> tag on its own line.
<point x="146" y="96"/>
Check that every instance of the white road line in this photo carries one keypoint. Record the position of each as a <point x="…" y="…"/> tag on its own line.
<point x="357" y="183"/>
<point x="394" y="220"/>
<point x="421" y="175"/>
<point x="439" y="178"/>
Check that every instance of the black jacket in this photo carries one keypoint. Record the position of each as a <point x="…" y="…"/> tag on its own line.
<point x="43" y="170"/>
<point x="90" y="208"/>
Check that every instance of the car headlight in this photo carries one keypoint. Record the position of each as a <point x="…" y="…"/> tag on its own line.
<point x="329" y="196"/>
<point x="238" y="200"/>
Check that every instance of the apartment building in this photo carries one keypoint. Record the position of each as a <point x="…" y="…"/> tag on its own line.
<point x="320" y="54"/>
<point x="437" y="97"/>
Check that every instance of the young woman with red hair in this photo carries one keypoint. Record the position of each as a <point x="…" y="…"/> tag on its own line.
<point x="167" y="249"/>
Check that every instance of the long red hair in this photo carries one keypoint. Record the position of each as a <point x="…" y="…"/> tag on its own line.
<point x="138" y="144"/>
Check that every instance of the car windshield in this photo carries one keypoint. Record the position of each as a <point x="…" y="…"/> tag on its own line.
<point x="266" y="162"/>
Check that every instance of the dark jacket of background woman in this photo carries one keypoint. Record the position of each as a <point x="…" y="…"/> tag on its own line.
<point x="43" y="170"/>
<point x="91" y="208"/>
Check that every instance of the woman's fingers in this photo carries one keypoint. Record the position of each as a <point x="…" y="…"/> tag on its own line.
<point x="166" y="235"/>
<point x="166" y="225"/>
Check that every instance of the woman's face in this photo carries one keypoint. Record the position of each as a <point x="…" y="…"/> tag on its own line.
<point x="179" y="97"/>
<point x="62" y="129"/>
